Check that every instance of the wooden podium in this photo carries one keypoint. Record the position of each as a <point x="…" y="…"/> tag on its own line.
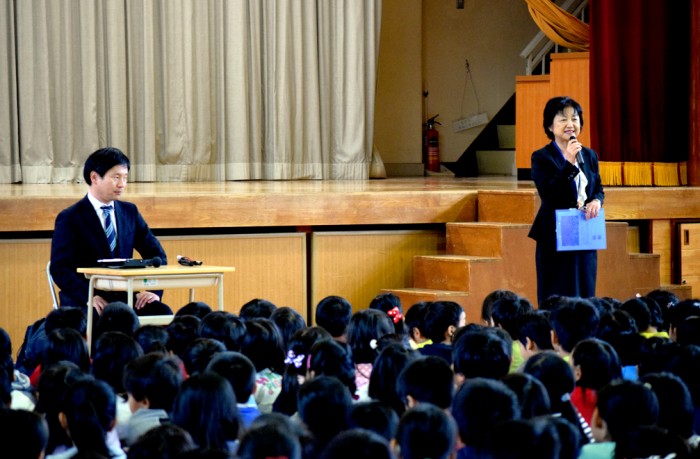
<point x="161" y="278"/>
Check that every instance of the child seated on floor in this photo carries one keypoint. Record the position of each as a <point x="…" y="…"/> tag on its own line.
<point x="239" y="371"/>
<point x="442" y="319"/>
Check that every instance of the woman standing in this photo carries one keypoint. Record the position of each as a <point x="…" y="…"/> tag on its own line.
<point x="567" y="176"/>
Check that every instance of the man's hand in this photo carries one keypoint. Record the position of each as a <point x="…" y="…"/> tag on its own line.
<point x="99" y="303"/>
<point x="143" y="298"/>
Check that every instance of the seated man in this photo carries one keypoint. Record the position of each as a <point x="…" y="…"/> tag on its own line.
<point x="101" y="226"/>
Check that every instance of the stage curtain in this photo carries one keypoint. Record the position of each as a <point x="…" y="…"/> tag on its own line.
<point x="191" y="90"/>
<point x="639" y="86"/>
<point x="558" y="25"/>
<point x="9" y="141"/>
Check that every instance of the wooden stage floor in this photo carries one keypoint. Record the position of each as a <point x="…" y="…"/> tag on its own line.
<point x="420" y="200"/>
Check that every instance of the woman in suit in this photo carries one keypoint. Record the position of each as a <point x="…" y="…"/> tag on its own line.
<point x="567" y="176"/>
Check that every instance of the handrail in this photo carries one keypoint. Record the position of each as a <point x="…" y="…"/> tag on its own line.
<point x="536" y="51"/>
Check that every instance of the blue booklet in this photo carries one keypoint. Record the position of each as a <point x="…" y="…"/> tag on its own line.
<point x="574" y="232"/>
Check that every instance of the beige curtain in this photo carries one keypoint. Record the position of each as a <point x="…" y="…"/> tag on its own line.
<point x="191" y="90"/>
<point x="559" y="26"/>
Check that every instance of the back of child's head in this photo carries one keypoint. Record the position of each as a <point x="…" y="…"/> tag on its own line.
<point x="296" y="366"/>
<point x="639" y="311"/>
<point x="113" y="351"/>
<point x="390" y="304"/>
<point x="652" y="442"/>
<point x="166" y="441"/>
<point x="257" y="308"/>
<point x="182" y="330"/>
<point x="152" y="338"/>
<point x="117" y="316"/>
<point x="522" y="439"/>
<point x="206" y="408"/>
<point x="575" y="319"/>
<point x="570" y="439"/>
<point x="375" y="416"/>
<point x="66" y="317"/>
<point x="154" y="377"/>
<point x="199" y="353"/>
<point x="492" y="298"/>
<point x="479" y="405"/>
<point x="386" y="370"/>
<point x="685" y="366"/>
<point x="26" y="431"/>
<point x="675" y="403"/>
<point x="198" y="309"/>
<point x="6" y="377"/>
<point x="262" y="344"/>
<point x="657" y="354"/>
<point x="66" y="344"/>
<point x="267" y="441"/>
<point x="682" y="310"/>
<point x="598" y="363"/>
<point x="536" y="327"/>
<point x="427" y="380"/>
<point x="688" y="331"/>
<point x="224" y="327"/>
<point x="328" y="357"/>
<point x="414" y="319"/>
<point x="365" y="329"/>
<point x="426" y="431"/>
<point x="356" y="443"/>
<point x="333" y="313"/>
<point x="507" y="311"/>
<point x="238" y="370"/>
<point x="90" y="412"/>
<point x="656" y="313"/>
<point x="533" y="397"/>
<point x="5" y="342"/>
<point x="481" y="353"/>
<point x="324" y="404"/>
<point x="666" y="301"/>
<point x="625" y="405"/>
<point x="554" y="373"/>
<point x="602" y="305"/>
<point x="442" y="315"/>
<point x="288" y="322"/>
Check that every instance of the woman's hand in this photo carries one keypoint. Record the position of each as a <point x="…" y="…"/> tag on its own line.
<point x="573" y="147"/>
<point x="592" y="209"/>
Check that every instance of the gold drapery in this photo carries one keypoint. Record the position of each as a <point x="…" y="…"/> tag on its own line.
<point x="559" y="26"/>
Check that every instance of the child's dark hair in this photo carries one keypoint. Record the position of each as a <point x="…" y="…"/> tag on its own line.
<point x="426" y="431"/>
<point x="532" y="395"/>
<point x="166" y="441"/>
<point x="676" y="412"/>
<point x="639" y="310"/>
<point x="238" y="370"/>
<point x="357" y="443"/>
<point x="90" y="411"/>
<point x="439" y="317"/>
<point x="102" y="160"/>
<point x="522" y="438"/>
<point x="288" y="322"/>
<point x="154" y="377"/>
<point x="481" y="354"/>
<point x="479" y="405"/>
<point x="490" y="299"/>
<point x="375" y="416"/>
<point x="198" y="309"/>
<point x="364" y="330"/>
<point x="507" y="311"/>
<point x="331" y="358"/>
<point x="199" y="353"/>
<point x="598" y="361"/>
<point x="574" y="320"/>
<point x="182" y="330"/>
<point x="206" y="408"/>
<point x="324" y="404"/>
<point x="257" y="308"/>
<point x="113" y="350"/>
<point x="66" y="344"/>
<point x="625" y="405"/>
<point x="66" y="317"/>
<point x="427" y="379"/>
<point x="152" y="338"/>
<point x="688" y="331"/>
<point x="390" y="304"/>
<point x="27" y="431"/>
<point x="268" y="441"/>
<point x="262" y="344"/>
<point x="535" y="326"/>
<point x="333" y="313"/>
<point x="415" y="317"/>
<point x="224" y="327"/>
<point x="296" y="360"/>
<point x="385" y="372"/>
<point x="117" y="316"/>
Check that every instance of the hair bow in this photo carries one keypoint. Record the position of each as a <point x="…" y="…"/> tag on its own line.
<point x="293" y="359"/>
<point x="395" y="314"/>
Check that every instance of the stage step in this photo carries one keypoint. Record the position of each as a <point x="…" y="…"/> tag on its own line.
<point x="682" y="291"/>
<point x="410" y="296"/>
<point x="517" y="206"/>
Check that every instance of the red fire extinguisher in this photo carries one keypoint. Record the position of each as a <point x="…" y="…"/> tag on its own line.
<point x="432" y="145"/>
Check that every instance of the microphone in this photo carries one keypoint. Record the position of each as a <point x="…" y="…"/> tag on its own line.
<point x="579" y="157"/>
<point x="130" y="263"/>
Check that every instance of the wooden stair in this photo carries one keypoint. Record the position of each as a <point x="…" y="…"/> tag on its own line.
<point x="484" y="256"/>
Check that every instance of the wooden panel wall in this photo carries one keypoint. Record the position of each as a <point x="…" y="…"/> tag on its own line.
<point x="661" y="245"/>
<point x="690" y="253"/>
<point x="357" y="266"/>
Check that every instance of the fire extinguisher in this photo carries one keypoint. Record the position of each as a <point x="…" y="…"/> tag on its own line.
<point x="432" y="145"/>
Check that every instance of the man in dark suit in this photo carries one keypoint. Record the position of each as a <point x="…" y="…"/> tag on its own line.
<point x="101" y="226"/>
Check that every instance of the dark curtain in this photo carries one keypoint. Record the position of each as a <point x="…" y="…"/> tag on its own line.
<point x="640" y="79"/>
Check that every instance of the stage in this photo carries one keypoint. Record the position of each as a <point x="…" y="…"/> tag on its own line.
<point x="295" y="242"/>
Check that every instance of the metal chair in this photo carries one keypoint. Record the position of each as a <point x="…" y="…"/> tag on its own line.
<point x="52" y="286"/>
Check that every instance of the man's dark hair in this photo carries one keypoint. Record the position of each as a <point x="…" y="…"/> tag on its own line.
<point x="103" y="160"/>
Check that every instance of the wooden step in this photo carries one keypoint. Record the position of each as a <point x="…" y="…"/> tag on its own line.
<point x="505" y="206"/>
<point x="411" y="296"/>
<point x="682" y="291"/>
<point x="487" y="239"/>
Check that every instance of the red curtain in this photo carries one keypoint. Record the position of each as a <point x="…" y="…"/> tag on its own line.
<point x="640" y="79"/>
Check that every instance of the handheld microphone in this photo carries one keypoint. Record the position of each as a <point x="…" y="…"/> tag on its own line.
<point x="579" y="157"/>
<point x="130" y="263"/>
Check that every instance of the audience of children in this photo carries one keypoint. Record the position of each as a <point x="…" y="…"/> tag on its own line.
<point x="201" y="386"/>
